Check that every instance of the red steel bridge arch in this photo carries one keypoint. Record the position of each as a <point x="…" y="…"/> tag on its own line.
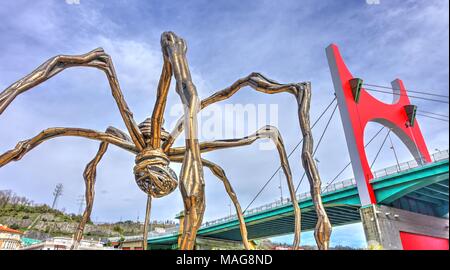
<point x="357" y="108"/>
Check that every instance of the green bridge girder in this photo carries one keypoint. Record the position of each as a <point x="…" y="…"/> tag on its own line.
<point x="422" y="190"/>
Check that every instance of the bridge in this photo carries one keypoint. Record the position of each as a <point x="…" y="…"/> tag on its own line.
<point x="422" y="189"/>
<point x="401" y="207"/>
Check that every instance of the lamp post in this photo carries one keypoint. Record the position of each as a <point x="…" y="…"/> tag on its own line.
<point x="279" y="186"/>
<point x="395" y="153"/>
<point x="317" y="162"/>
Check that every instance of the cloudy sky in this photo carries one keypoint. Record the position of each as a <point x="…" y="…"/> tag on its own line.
<point x="285" y="40"/>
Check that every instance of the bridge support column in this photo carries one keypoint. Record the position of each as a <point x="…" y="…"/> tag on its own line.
<point x="391" y="228"/>
<point x="206" y="243"/>
<point x="180" y="217"/>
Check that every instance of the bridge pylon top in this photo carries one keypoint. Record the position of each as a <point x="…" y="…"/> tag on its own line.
<point x="358" y="107"/>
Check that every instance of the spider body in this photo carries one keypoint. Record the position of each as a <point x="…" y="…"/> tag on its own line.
<point x="152" y="172"/>
<point x="153" y="146"/>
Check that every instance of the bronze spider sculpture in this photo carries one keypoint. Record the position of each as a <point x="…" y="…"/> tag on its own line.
<point x="152" y="145"/>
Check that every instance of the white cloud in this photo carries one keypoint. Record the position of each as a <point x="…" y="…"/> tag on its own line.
<point x="286" y="42"/>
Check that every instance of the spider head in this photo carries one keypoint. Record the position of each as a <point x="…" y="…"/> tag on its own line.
<point x="153" y="174"/>
<point x="172" y="44"/>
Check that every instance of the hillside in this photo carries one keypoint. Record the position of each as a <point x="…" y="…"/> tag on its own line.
<point x="41" y="222"/>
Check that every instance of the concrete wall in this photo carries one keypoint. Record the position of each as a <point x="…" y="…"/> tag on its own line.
<point x="383" y="224"/>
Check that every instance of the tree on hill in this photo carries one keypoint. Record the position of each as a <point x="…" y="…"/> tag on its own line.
<point x="7" y="197"/>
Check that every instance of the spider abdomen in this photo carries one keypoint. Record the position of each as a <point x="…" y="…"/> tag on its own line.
<point x="153" y="174"/>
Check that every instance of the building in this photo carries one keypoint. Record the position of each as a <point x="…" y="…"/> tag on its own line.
<point x="10" y="239"/>
<point x="134" y="242"/>
<point x="29" y="241"/>
<point x="127" y="242"/>
<point x="64" y="243"/>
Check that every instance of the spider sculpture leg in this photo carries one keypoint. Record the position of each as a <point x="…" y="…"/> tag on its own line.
<point x="192" y="185"/>
<point x="97" y="59"/>
<point x="89" y="176"/>
<point x="220" y="173"/>
<point x="146" y="222"/>
<point x="265" y="132"/>
<point x="112" y="135"/>
<point x="302" y="93"/>
<point x="25" y="146"/>
<point x="158" y="110"/>
<point x="100" y="60"/>
<point x="255" y="80"/>
<point x="322" y="231"/>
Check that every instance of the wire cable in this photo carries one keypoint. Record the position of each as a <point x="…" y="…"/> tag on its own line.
<point x="318" y="144"/>
<point x="379" y="150"/>
<point x="349" y="163"/>
<point x="417" y="97"/>
<point x="410" y="91"/>
<point x="432" y="113"/>
<point x="432" y="117"/>
<point x="290" y="154"/>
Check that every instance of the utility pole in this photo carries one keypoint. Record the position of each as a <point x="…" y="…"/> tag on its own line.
<point x="81" y="201"/>
<point x="57" y="193"/>
<point x="279" y="186"/>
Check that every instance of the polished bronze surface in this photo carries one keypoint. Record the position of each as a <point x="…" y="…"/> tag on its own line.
<point x="176" y="155"/>
<point x="152" y="145"/>
<point x="147" y="221"/>
<point x="302" y="93"/>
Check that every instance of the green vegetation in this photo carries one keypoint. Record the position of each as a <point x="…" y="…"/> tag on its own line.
<point x="42" y="221"/>
<point x="118" y="229"/>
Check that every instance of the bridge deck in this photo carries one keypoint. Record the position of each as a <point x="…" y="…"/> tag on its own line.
<point x="421" y="189"/>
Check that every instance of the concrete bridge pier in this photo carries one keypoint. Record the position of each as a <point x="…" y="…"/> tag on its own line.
<point x="208" y="243"/>
<point x="391" y="228"/>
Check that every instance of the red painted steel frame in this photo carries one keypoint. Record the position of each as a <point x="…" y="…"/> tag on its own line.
<point x="411" y="241"/>
<point x="355" y="117"/>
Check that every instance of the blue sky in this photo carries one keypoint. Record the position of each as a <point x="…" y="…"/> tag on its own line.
<point x="285" y="40"/>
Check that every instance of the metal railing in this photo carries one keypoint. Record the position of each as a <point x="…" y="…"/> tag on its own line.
<point x="152" y="234"/>
<point x="402" y="167"/>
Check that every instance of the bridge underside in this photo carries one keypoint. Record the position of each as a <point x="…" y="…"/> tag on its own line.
<point x="284" y="224"/>
<point x="423" y="190"/>
<point x="431" y="200"/>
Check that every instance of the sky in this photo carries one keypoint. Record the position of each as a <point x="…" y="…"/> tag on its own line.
<point x="284" y="40"/>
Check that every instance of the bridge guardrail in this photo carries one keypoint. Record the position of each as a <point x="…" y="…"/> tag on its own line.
<point x="152" y="234"/>
<point x="404" y="166"/>
<point x="401" y="167"/>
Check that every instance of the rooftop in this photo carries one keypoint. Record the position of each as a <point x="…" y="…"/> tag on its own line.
<point x="9" y="230"/>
